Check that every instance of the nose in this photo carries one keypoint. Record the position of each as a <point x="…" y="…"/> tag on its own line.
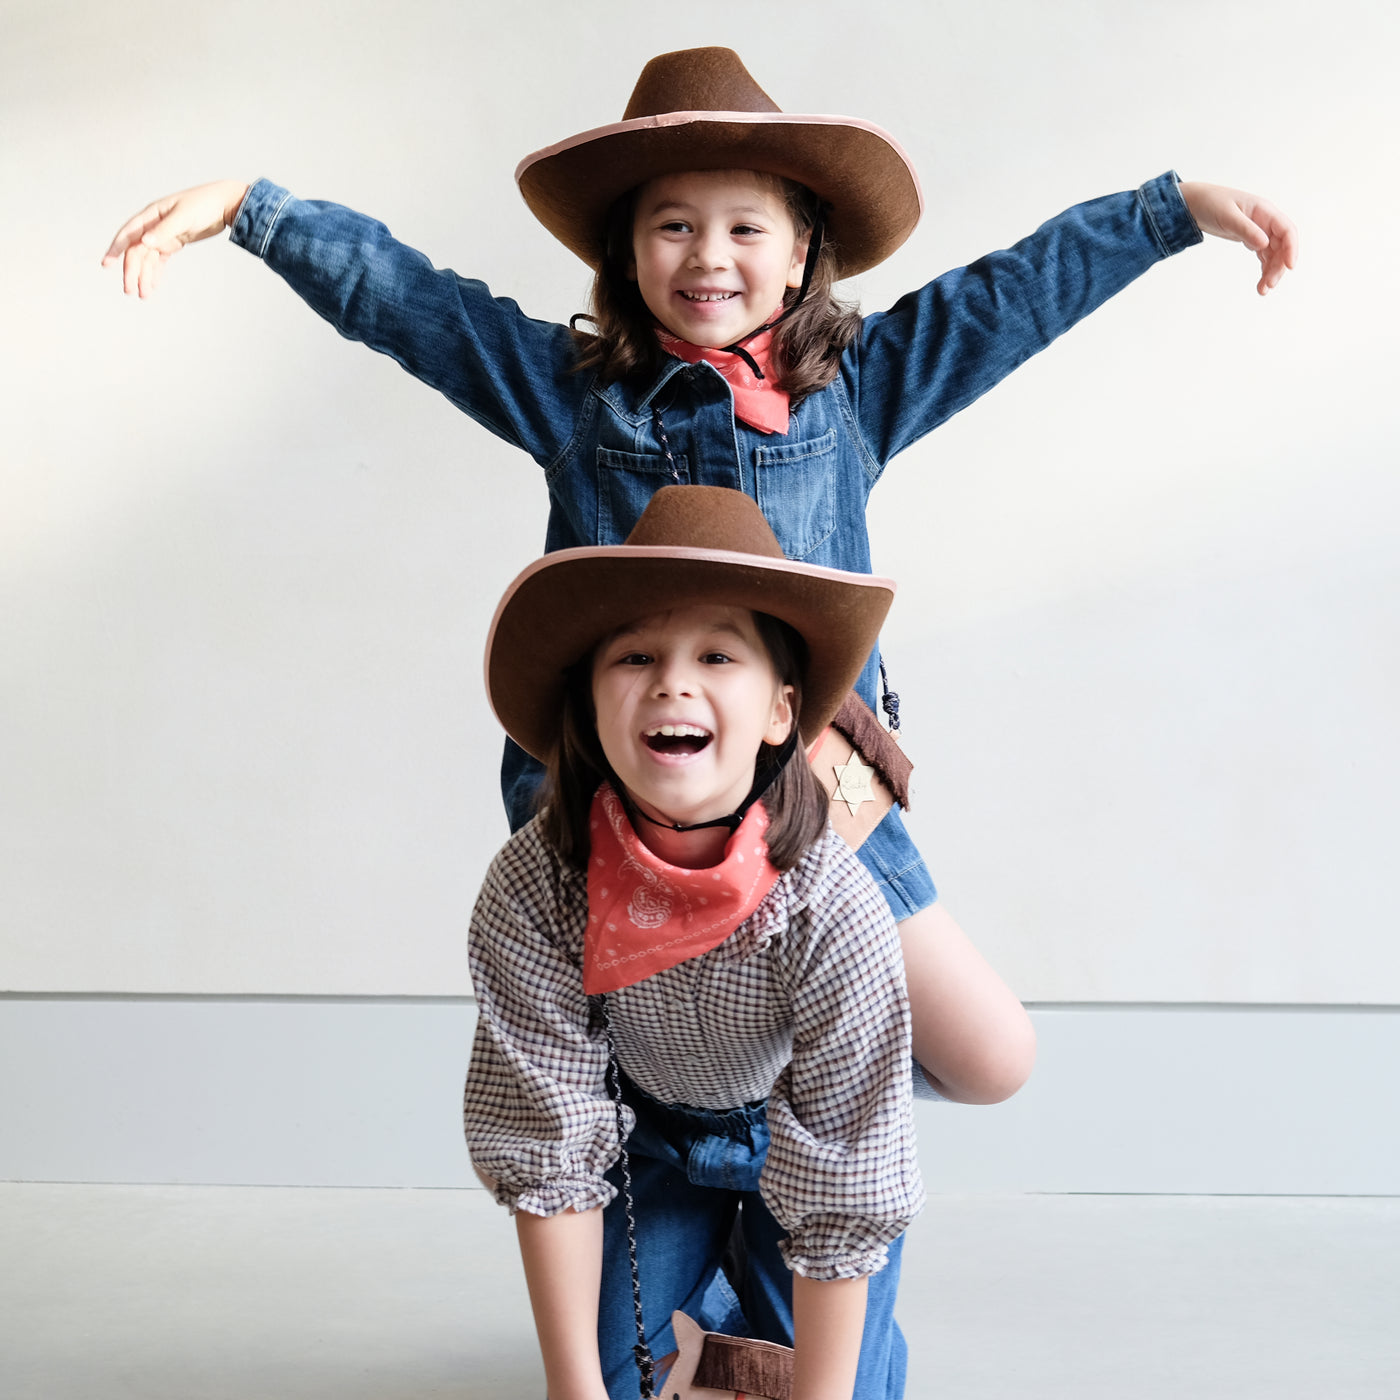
<point x="673" y="677"/>
<point x="709" y="249"/>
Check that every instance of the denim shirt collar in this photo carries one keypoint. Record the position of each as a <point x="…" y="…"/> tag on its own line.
<point x="635" y="403"/>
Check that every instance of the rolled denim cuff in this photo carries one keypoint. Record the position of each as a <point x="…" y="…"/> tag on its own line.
<point x="897" y="868"/>
<point x="1170" y="220"/>
<point x="252" y="225"/>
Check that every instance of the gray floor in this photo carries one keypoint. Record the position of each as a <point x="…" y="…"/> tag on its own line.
<point x="221" y="1293"/>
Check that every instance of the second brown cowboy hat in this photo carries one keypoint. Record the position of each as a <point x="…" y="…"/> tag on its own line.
<point x="700" y="109"/>
<point x="693" y="544"/>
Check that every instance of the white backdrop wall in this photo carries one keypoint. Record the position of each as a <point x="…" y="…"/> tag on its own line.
<point x="1146" y="637"/>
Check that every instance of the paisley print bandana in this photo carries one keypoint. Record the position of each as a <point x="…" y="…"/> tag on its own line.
<point x="645" y="915"/>
<point x="756" y="401"/>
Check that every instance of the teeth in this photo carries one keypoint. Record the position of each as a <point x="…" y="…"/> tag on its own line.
<point x="677" y="731"/>
<point x="708" y="296"/>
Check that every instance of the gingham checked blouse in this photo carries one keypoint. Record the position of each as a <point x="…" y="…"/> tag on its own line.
<point x="803" y="1006"/>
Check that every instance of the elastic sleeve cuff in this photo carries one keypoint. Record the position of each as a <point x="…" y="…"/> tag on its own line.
<point x="826" y="1247"/>
<point x="581" y="1193"/>
<point x="1170" y="220"/>
<point x="252" y="225"/>
<point x="824" y="1266"/>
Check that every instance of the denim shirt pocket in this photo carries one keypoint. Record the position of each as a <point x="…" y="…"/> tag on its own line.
<point x="626" y="482"/>
<point x="797" y="492"/>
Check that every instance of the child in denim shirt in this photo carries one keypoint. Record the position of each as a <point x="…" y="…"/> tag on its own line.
<point x="717" y="225"/>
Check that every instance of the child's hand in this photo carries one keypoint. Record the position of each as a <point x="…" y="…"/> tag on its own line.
<point x="146" y="242"/>
<point x="1245" y="218"/>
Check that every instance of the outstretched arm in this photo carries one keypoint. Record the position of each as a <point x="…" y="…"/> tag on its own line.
<point x="148" y="240"/>
<point x="940" y="348"/>
<point x="1246" y="218"/>
<point x="516" y="376"/>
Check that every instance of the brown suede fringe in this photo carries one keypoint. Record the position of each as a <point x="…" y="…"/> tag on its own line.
<point x="876" y="745"/>
<point x="745" y="1366"/>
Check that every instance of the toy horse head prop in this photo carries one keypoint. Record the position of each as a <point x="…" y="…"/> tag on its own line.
<point x="711" y="1366"/>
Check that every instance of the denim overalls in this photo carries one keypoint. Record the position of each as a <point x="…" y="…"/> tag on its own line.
<point x="695" y="1183"/>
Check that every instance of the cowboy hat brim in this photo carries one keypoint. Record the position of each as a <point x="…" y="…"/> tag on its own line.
<point x="559" y="608"/>
<point x="858" y="170"/>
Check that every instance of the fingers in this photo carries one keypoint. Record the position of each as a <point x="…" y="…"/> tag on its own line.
<point x="1233" y="211"/>
<point x="1248" y="232"/>
<point x="166" y="236"/>
<point x="141" y="263"/>
<point x="132" y="230"/>
<point x="131" y="268"/>
<point x="146" y="241"/>
<point x="1281" y="254"/>
<point x="1245" y="218"/>
<point x="150" y="269"/>
<point x="152" y="266"/>
<point x="1278" y="253"/>
<point x="141" y="269"/>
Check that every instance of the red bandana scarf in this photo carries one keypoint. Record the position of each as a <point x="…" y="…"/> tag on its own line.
<point x="756" y="401"/>
<point x="645" y="915"/>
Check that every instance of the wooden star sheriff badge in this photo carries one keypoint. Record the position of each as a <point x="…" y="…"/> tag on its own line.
<point x="853" y="782"/>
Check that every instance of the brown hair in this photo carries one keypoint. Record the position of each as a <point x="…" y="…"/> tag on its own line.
<point x="807" y="343"/>
<point x="795" y="800"/>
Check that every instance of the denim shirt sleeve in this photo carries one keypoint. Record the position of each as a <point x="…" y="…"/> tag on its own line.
<point x="510" y="373"/>
<point x="938" y="349"/>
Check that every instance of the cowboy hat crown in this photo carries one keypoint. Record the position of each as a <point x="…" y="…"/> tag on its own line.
<point x="700" y="109"/>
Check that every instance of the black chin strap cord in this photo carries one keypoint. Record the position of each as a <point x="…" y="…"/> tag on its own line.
<point x="761" y="783"/>
<point x="814" y="248"/>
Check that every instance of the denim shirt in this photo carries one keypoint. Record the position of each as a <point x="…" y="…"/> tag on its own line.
<point x="911" y="368"/>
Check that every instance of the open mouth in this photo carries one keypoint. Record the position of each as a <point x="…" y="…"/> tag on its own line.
<point x="676" y="738"/>
<point x="709" y="296"/>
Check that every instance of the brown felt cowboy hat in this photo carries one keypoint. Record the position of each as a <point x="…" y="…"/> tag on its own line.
<point x="693" y="544"/>
<point x="699" y="109"/>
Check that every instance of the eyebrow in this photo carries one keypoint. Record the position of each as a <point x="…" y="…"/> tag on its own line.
<point x="724" y="624"/>
<point x="681" y="207"/>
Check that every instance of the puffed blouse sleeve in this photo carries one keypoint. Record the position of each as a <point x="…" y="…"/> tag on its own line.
<point x="537" y="1114"/>
<point x="842" y="1174"/>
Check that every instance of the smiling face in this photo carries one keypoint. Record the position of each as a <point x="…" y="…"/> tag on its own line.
<point x="713" y="252"/>
<point x="683" y="699"/>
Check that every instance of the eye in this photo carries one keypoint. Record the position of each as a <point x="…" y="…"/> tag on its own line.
<point x="675" y="226"/>
<point x="634" y="658"/>
<point x="716" y="658"/>
<point x="745" y="230"/>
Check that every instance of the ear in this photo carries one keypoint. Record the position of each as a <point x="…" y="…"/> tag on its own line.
<point x="799" y="263"/>
<point x="781" y="721"/>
